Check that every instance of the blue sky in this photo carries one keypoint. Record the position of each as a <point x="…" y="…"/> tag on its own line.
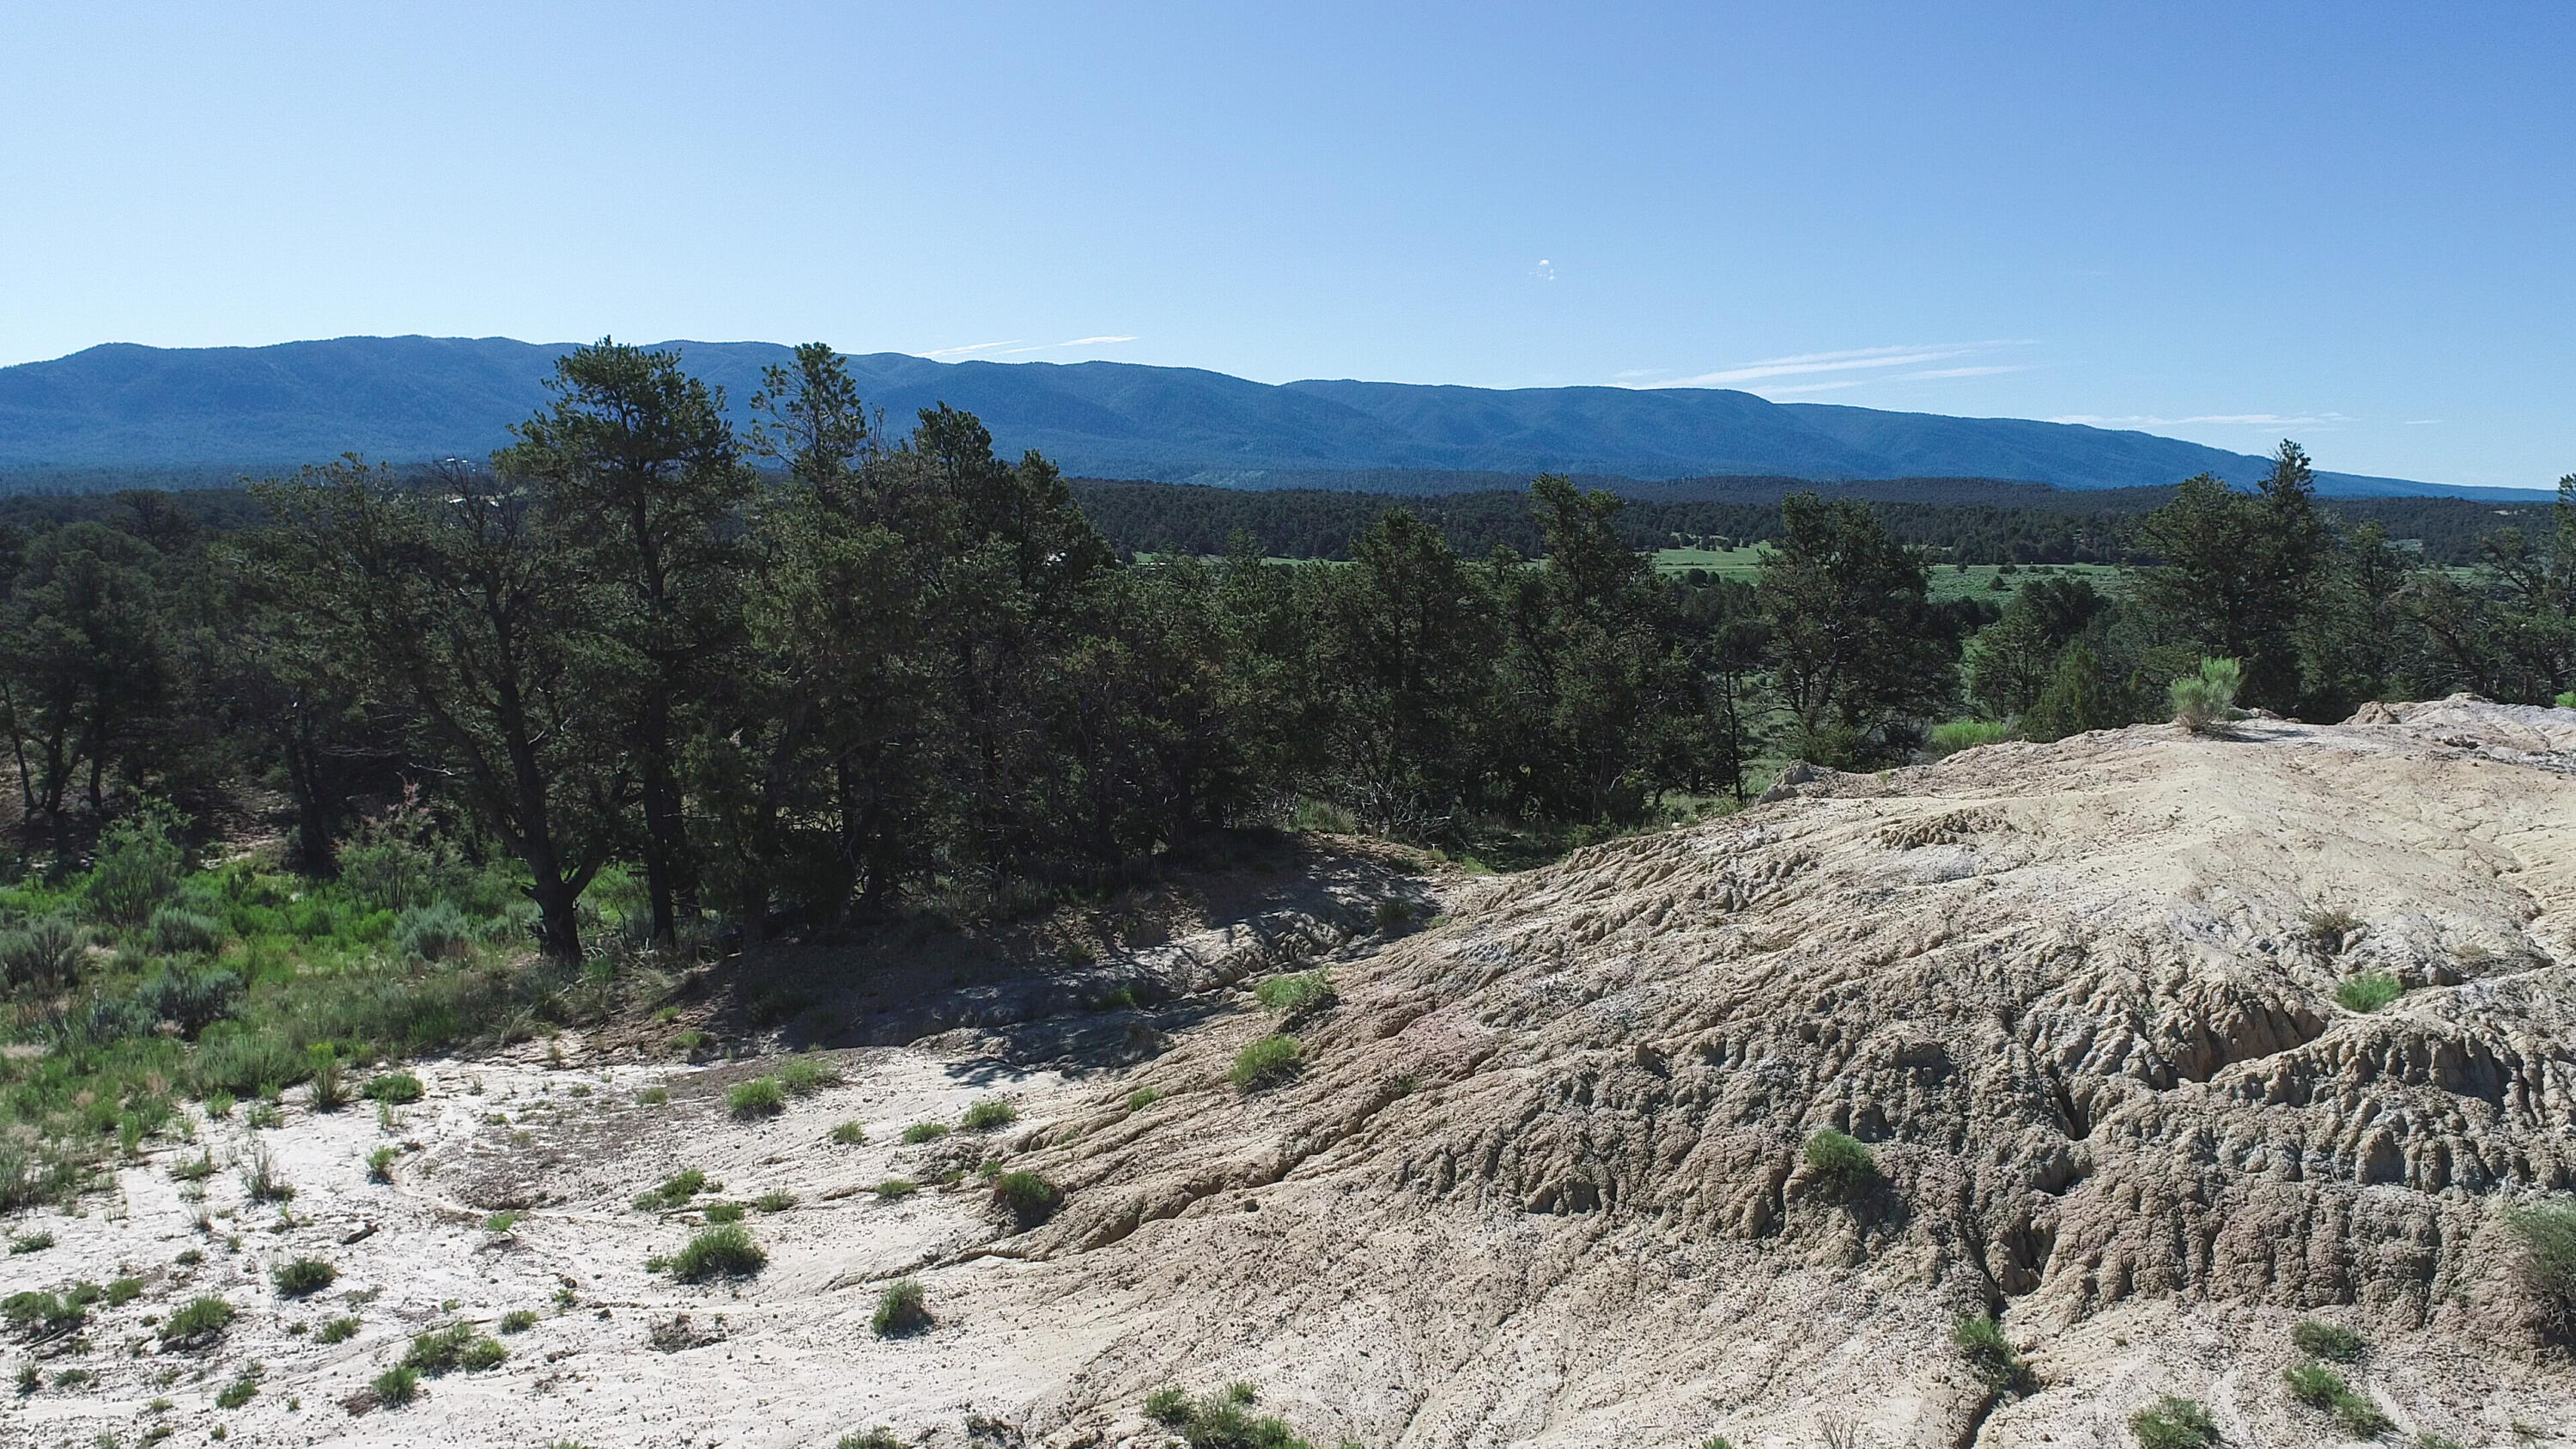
<point x="2353" y="224"/>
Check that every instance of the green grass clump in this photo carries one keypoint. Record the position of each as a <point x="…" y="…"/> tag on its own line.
<point x="1989" y="1355"/>
<point x="2174" y="1422"/>
<point x="759" y="1097"/>
<point x="2547" y="1232"/>
<point x="920" y="1132"/>
<point x="899" y="1310"/>
<point x="1142" y="1098"/>
<point x="1297" y="994"/>
<point x="990" y="1115"/>
<point x="1840" y="1165"/>
<point x="2368" y="991"/>
<point x="2319" y="1387"/>
<point x="850" y="1134"/>
<point x="237" y="1393"/>
<point x="482" y="1353"/>
<point x="396" y="1386"/>
<point x="380" y="1164"/>
<point x="2327" y="1340"/>
<point x="654" y="1097"/>
<point x="725" y="1251"/>
<point x="303" y="1277"/>
<point x="121" y="1291"/>
<point x="724" y="1212"/>
<point x="879" y="1437"/>
<point x="1266" y="1063"/>
<point x="776" y="1200"/>
<point x="445" y="1350"/>
<point x="193" y="1169"/>
<point x="502" y="1222"/>
<point x="394" y="1087"/>
<point x="518" y="1320"/>
<point x="674" y="1191"/>
<point x="41" y="1315"/>
<point x="1027" y="1197"/>
<point x="338" y="1330"/>
<point x="803" y="1076"/>
<point x="35" y="1242"/>
<point x="1221" y="1420"/>
<point x="199" y="1321"/>
<point x="1952" y="736"/>
<point x="895" y="1187"/>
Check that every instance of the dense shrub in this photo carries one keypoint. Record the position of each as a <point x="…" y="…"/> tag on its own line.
<point x="2547" y="1233"/>
<point x="197" y="1322"/>
<point x="759" y="1097"/>
<point x="900" y="1310"/>
<point x="1295" y="994"/>
<point x="673" y="1191"/>
<point x="139" y="860"/>
<point x="432" y="932"/>
<point x="42" y="953"/>
<point x="194" y="998"/>
<point x="1267" y="1062"/>
<point x="1839" y="1165"/>
<point x="803" y="1076"/>
<point x="1027" y="1197"/>
<point x="2368" y="991"/>
<point x="921" y="1132"/>
<point x="176" y="932"/>
<point x="1989" y="1355"/>
<point x="395" y="1088"/>
<point x="990" y="1115"/>
<point x="2327" y="1340"/>
<point x="246" y="1063"/>
<point x="2204" y="701"/>
<point x="396" y="1386"/>
<point x="303" y="1277"/>
<point x="850" y="1134"/>
<point x="2174" y="1422"/>
<point x="719" y="1252"/>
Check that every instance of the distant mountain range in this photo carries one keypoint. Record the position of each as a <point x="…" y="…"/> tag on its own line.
<point x="411" y="399"/>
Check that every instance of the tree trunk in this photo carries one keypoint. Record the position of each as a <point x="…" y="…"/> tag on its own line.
<point x="662" y="824"/>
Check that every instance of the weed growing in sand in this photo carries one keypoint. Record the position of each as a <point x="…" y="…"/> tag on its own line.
<point x="1221" y="1420"/>
<point x="197" y="1322"/>
<point x="1266" y="1063"/>
<point x="899" y="1310"/>
<point x="330" y="1085"/>
<point x="518" y="1320"/>
<point x="121" y="1291"/>
<point x="35" y="1242"/>
<point x="1142" y="1098"/>
<point x="394" y="1088"/>
<point x="2368" y="991"/>
<point x="1027" y="1197"/>
<point x="237" y="1393"/>
<point x="380" y="1164"/>
<point x="338" y="1330"/>
<point x="396" y="1386"/>
<point x="879" y="1437"/>
<point x="759" y="1097"/>
<point x="1297" y="994"/>
<point x="261" y="1116"/>
<point x="260" y="1177"/>
<point x="989" y="1115"/>
<point x="654" y="1097"/>
<point x="2319" y="1387"/>
<point x="895" y="1187"/>
<point x="502" y="1222"/>
<point x="920" y="1132"/>
<point x="2548" y="1234"/>
<point x="194" y="1169"/>
<point x="2332" y="929"/>
<point x="691" y="1040"/>
<point x="724" y="1212"/>
<point x="1839" y="1165"/>
<point x="675" y="1191"/>
<point x="776" y="1200"/>
<point x="2174" y="1422"/>
<point x="41" y="1315"/>
<point x="1393" y="914"/>
<point x="303" y="1277"/>
<point x="2327" y="1340"/>
<point x="803" y="1076"/>
<point x="1989" y="1355"/>
<point x="850" y="1134"/>
<point x="2204" y="701"/>
<point x="719" y="1252"/>
<point x="457" y="1346"/>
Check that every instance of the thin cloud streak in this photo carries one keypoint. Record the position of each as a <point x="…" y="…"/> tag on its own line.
<point x="1060" y="346"/>
<point x="2224" y="420"/>
<point x="977" y="347"/>
<point x="1859" y="359"/>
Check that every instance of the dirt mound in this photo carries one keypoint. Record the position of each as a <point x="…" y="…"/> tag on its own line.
<point x="1541" y="1176"/>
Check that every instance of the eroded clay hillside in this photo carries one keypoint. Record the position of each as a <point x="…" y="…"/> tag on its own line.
<point x="1539" y="1175"/>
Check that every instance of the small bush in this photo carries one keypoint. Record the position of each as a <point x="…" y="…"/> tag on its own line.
<point x="502" y="1222"/>
<point x="481" y="1354"/>
<point x="518" y="1320"/>
<point x="2327" y="1340"/>
<point x="237" y="1393"/>
<point x="879" y="1437"/>
<point x="1952" y="736"/>
<point x="1027" y="1197"/>
<point x="1393" y="914"/>
<point x="774" y="1201"/>
<point x="895" y="1187"/>
<point x="673" y="1192"/>
<point x="330" y="1087"/>
<point x="260" y="1177"/>
<point x="35" y="1242"/>
<point x="44" y="953"/>
<point x="990" y="1115"/>
<point x="2174" y="1422"/>
<point x="2368" y="991"/>
<point x="1168" y="1406"/>
<point x="920" y="1132"/>
<point x="724" y="1212"/>
<point x="850" y="1134"/>
<point x="2547" y="1232"/>
<point x="803" y="1076"/>
<point x="1839" y="1165"/>
<point x="1267" y="1062"/>
<point x="432" y="932"/>
<point x="2319" y="1387"/>
<point x="1295" y="994"/>
<point x="396" y="1386"/>
<point x="1142" y="1098"/>
<point x="1221" y="1420"/>
<point x="2332" y="929"/>
<point x="380" y="1164"/>
<point x="197" y="1322"/>
<point x="176" y="932"/>
<point x="303" y="1277"/>
<point x="2204" y="701"/>
<point x="41" y="1315"/>
<point x="338" y="1330"/>
<point x="654" y="1097"/>
<point x="194" y="999"/>
<point x="899" y="1310"/>
<point x="444" y="1350"/>
<point x="121" y="1291"/>
<point x="719" y="1252"/>
<point x="1989" y="1355"/>
<point x="759" y="1097"/>
<point x="394" y="1088"/>
<point x="138" y="867"/>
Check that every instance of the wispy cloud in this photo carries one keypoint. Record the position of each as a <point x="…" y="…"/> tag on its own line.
<point x="1545" y="271"/>
<point x="1806" y="387"/>
<point x="1060" y="346"/>
<point x="1858" y="359"/>
<point x="1959" y="372"/>
<point x="977" y="347"/>
<point x="2221" y="420"/>
<point x="2421" y="422"/>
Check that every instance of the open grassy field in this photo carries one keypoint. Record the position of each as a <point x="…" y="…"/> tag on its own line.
<point x="1949" y="581"/>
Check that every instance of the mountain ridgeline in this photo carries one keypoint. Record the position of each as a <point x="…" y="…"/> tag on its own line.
<point x="204" y="415"/>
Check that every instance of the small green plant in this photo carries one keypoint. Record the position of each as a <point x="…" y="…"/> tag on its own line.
<point x="396" y="1386"/>
<point x="690" y="1040"/>
<point x="879" y="1437"/>
<point x="1989" y="1355"/>
<point x="35" y="1242"/>
<point x="2332" y="929"/>
<point x="920" y="1132"/>
<point x="2368" y="991"/>
<point x="380" y="1164"/>
<point x="1951" y="736"/>
<point x="1168" y="1406"/>
<point x="1393" y="914"/>
<point x="457" y="1346"/>
<point x="895" y="1187"/>
<point x="41" y="1315"/>
<point x="329" y="1086"/>
<point x="759" y="1097"/>
<point x="1142" y="1098"/>
<point x="2327" y="1340"/>
<point x="30" y="1378"/>
<point x="1840" y="1165"/>
<point x="396" y="1088"/>
<point x="2547" y="1234"/>
<point x="303" y="1277"/>
<point x="776" y="1200"/>
<point x="2319" y="1387"/>
<point x="989" y="1115"/>
<point x="121" y="1291"/>
<point x="1221" y="1420"/>
<point x="237" y="1393"/>
<point x="338" y="1330"/>
<point x="2204" y="701"/>
<point x="518" y="1320"/>
<point x="654" y="1097"/>
<point x="219" y="1104"/>
<point x="725" y="1251"/>
<point x="1295" y="994"/>
<point x="2567" y="700"/>
<point x="263" y="1115"/>
<point x="674" y="1191"/>
<point x="481" y="1354"/>
<point x="260" y="1177"/>
<point x="803" y="1076"/>
<point x="724" y="1212"/>
<point x="850" y="1134"/>
<point x="199" y="1321"/>
<point x="1266" y="1062"/>
<point x="900" y="1310"/>
<point x="502" y="1222"/>
<point x="194" y="1169"/>
<point x="2174" y="1422"/>
<point x="1027" y="1197"/>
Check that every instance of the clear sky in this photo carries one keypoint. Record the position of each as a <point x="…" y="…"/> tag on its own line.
<point x="2351" y="223"/>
